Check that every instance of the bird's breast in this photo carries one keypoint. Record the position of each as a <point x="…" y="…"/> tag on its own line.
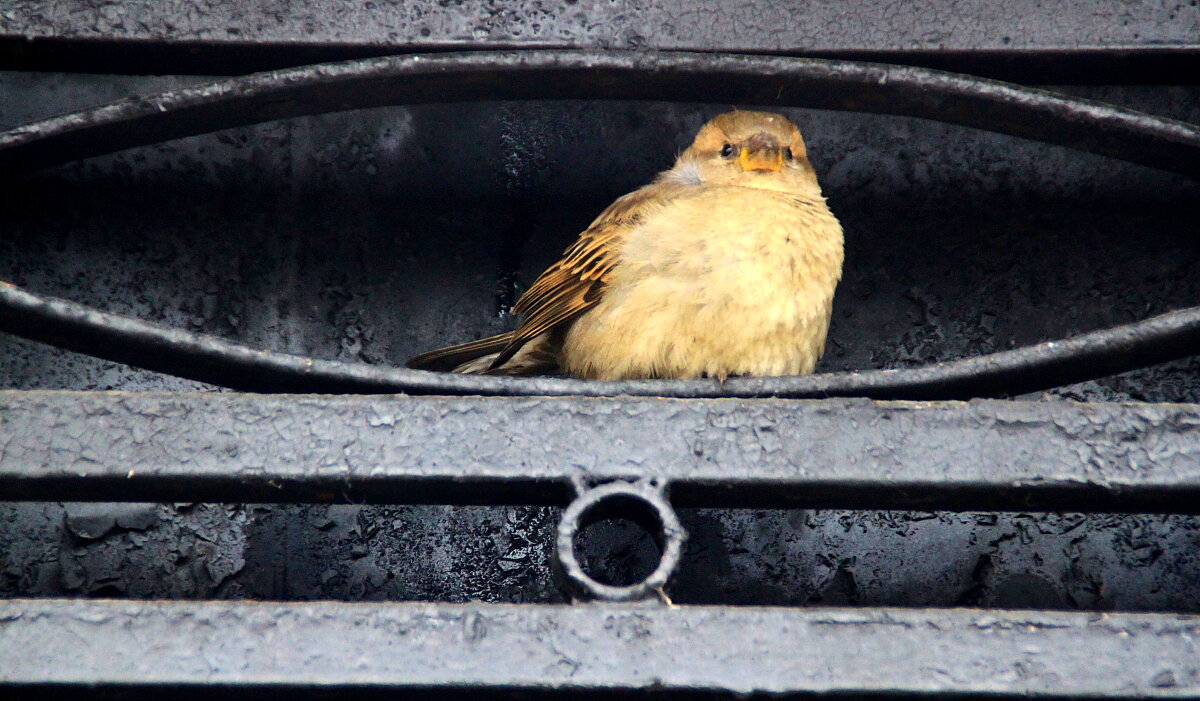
<point x="724" y="281"/>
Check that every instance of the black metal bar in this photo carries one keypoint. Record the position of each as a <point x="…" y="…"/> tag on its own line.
<point x="218" y="361"/>
<point x="712" y="78"/>
<point x="1070" y="42"/>
<point x="572" y="649"/>
<point x="981" y="455"/>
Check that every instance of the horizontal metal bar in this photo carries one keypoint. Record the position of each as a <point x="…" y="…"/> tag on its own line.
<point x="550" y="648"/>
<point x="231" y="36"/>
<point x="933" y="24"/>
<point x="473" y="450"/>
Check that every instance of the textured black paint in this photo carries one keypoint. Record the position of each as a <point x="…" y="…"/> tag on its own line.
<point x="845" y="86"/>
<point x="572" y="649"/>
<point x="371" y="235"/>
<point x="1078" y="41"/>
<point x="767" y="453"/>
<point x="613" y="75"/>
<point x="1171" y="336"/>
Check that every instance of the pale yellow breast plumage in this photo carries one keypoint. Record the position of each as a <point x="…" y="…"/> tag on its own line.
<point x="725" y="280"/>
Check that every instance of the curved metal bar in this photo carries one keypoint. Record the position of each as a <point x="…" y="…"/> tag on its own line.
<point x="766" y="80"/>
<point x="217" y="361"/>
<point x="678" y="76"/>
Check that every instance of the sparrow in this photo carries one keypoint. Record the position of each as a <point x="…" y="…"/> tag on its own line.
<point x="724" y="265"/>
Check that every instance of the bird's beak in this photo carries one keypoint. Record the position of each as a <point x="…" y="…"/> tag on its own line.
<point x="769" y="159"/>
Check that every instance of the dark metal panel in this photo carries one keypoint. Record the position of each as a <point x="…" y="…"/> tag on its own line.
<point x="593" y="648"/>
<point x="1086" y="38"/>
<point x="835" y="453"/>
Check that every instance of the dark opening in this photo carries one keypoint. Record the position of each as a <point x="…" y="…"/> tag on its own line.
<point x="620" y="541"/>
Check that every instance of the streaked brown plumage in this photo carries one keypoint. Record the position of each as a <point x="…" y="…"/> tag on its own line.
<point x="725" y="265"/>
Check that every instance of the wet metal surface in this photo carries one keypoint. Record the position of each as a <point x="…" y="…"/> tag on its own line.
<point x="1092" y="356"/>
<point x="832" y="453"/>
<point x="383" y="241"/>
<point x="348" y="552"/>
<point x="1044" y="366"/>
<point x="372" y="235"/>
<point x="366" y="236"/>
<point x="1134" y="41"/>
<point x="839" y="85"/>
<point x="591" y="648"/>
<point x="613" y="75"/>
<point x="762" y="25"/>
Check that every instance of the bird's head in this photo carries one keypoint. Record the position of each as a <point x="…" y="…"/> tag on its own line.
<point x="754" y="149"/>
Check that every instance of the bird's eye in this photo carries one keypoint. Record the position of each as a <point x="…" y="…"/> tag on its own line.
<point x="787" y="153"/>
<point x="727" y="150"/>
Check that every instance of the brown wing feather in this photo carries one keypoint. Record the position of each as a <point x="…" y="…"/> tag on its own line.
<point x="452" y="356"/>
<point x="576" y="282"/>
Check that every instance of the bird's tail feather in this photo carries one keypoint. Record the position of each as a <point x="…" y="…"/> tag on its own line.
<point x="536" y="357"/>
<point x="452" y="357"/>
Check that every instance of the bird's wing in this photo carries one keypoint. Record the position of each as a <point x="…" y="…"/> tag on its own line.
<point x="576" y="282"/>
<point x="453" y="356"/>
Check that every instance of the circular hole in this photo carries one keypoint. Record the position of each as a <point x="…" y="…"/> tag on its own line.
<point x="620" y="541"/>
<point x="616" y="552"/>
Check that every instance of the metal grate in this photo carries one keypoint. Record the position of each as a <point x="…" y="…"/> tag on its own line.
<point x="650" y="449"/>
<point x="393" y="451"/>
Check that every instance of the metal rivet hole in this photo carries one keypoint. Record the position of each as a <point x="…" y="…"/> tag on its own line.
<point x="618" y="550"/>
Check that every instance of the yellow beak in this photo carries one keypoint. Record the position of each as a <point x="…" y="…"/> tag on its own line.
<point x="761" y="159"/>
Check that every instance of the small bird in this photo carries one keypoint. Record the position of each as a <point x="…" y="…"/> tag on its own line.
<point x="724" y="265"/>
